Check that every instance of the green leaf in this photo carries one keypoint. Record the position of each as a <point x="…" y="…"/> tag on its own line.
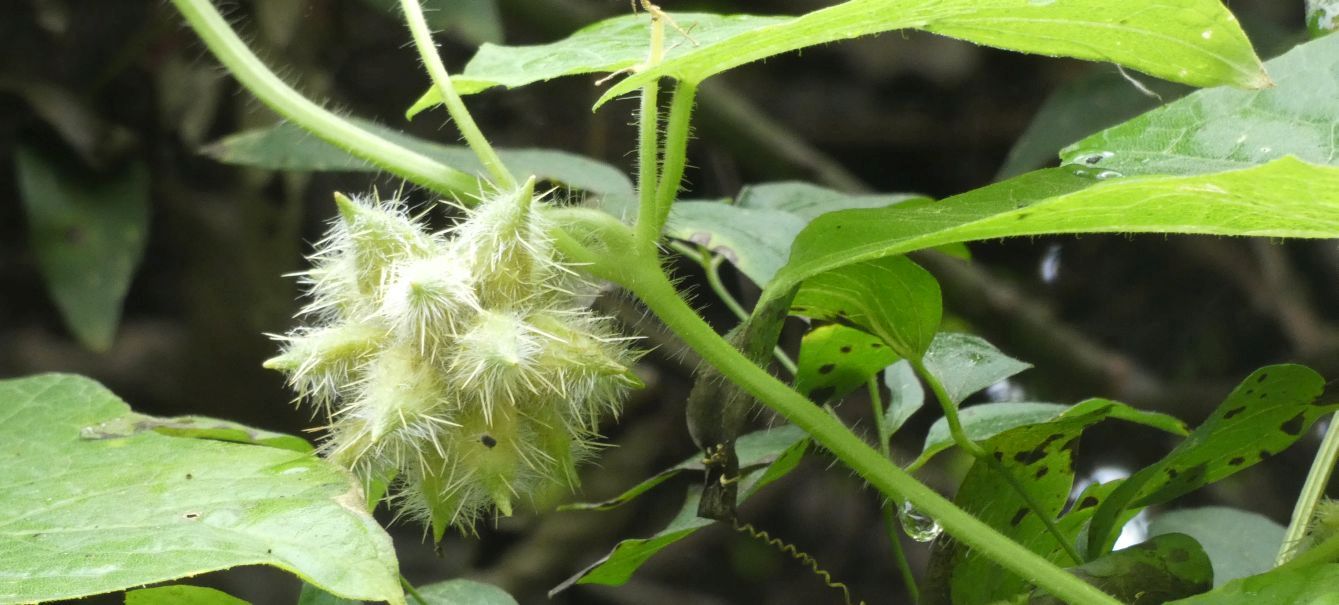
<point x="1284" y="198"/>
<point x="1240" y="543"/>
<point x="1041" y="456"/>
<point x="312" y="595"/>
<point x="906" y="395"/>
<point x="198" y="427"/>
<point x="1227" y="129"/>
<point x="835" y="360"/>
<point x="985" y="421"/>
<point x="1306" y="586"/>
<point x="1192" y="41"/>
<point x="88" y="233"/>
<point x="464" y="592"/>
<point x="756" y="241"/>
<point x="181" y="594"/>
<point x="1264" y="415"/>
<point x="1169" y="566"/>
<point x="965" y="364"/>
<point x="808" y="201"/>
<point x="1098" y="99"/>
<point x="113" y="514"/>
<point x="615" y="568"/>
<point x="604" y="47"/>
<point x="755" y="233"/>
<point x="288" y="147"/>
<point x="753" y="450"/>
<point x="892" y="298"/>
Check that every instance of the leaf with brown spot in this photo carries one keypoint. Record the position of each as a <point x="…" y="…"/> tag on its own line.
<point x="847" y="354"/>
<point x="1280" y="402"/>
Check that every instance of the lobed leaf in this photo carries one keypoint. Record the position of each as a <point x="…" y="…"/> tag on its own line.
<point x="88" y="232"/>
<point x="1191" y="41"/>
<point x="835" y="360"/>
<point x="1264" y="415"/>
<point x="82" y="516"/>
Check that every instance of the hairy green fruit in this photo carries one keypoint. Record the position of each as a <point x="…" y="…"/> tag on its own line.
<point x="461" y="366"/>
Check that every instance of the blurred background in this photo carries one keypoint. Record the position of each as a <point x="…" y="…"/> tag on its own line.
<point x="117" y="102"/>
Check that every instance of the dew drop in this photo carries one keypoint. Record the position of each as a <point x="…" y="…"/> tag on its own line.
<point x="918" y="525"/>
<point x="1108" y="174"/>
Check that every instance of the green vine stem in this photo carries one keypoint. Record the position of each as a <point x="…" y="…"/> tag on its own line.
<point x="648" y="137"/>
<point x="1312" y="491"/>
<point x="432" y="60"/>
<point x="973" y="448"/>
<point x="635" y="265"/>
<point x="273" y="92"/>
<point x="890" y="520"/>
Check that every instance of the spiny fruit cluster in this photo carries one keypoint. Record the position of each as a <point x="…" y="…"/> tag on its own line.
<point x="463" y="366"/>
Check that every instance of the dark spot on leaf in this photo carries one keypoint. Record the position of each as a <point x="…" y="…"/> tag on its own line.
<point x="1092" y="160"/>
<point x="1030" y="457"/>
<point x="876" y="345"/>
<point x="799" y="309"/>
<point x="1018" y="517"/>
<point x="269" y="551"/>
<point x="1238" y="461"/>
<point x="846" y="349"/>
<point x="1172" y="473"/>
<point x="1262" y="377"/>
<point x="1041" y="472"/>
<point x="1088" y="502"/>
<point x="1233" y="412"/>
<point x="1262" y="396"/>
<point x="488" y="441"/>
<point x="999" y="455"/>
<point x="822" y="394"/>
<point x="192" y="516"/>
<point x="1178" y="555"/>
<point x="1294" y="425"/>
<point x="189" y="477"/>
<point x="1265" y="454"/>
<point x="827" y="368"/>
<point x="1022" y="215"/>
<point x="1070" y="445"/>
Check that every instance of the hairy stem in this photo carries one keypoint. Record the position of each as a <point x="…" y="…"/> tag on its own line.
<point x="648" y="139"/>
<point x="273" y="92"/>
<point x="634" y="265"/>
<point x="890" y="520"/>
<point x="675" y="156"/>
<point x="432" y="60"/>
<point x="973" y="448"/>
<point x="1312" y="491"/>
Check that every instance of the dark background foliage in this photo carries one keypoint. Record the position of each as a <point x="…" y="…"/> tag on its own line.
<point x="1165" y="323"/>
